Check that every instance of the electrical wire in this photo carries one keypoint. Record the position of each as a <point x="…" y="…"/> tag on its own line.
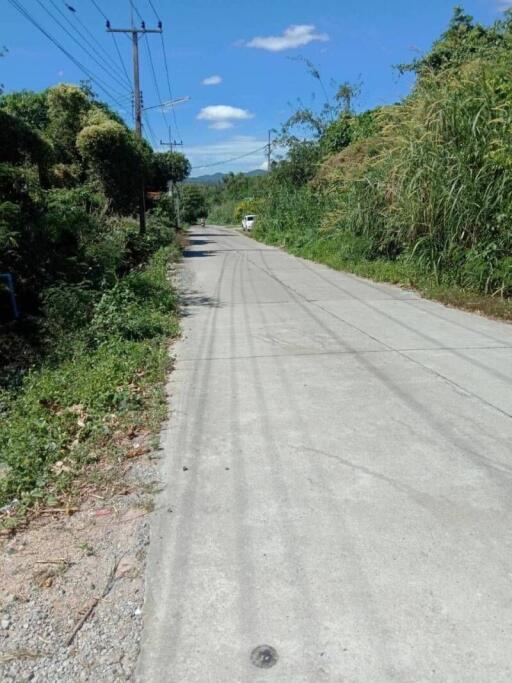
<point x="90" y="75"/>
<point x="99" y="10"/>
<point x="107" y="69"/>
<point x="153" y="72"/>
<point x="155" y="80"/>
<point x="149" y="129"/>
<point x="154" y="10"/>
<point x="134" y="8"/>
<point x="169" y="87"/>
<point x="61" y="25"/>
<point x="121" y="60"/>
<point x="227" y="161"/>
<point x="99" y="45"/>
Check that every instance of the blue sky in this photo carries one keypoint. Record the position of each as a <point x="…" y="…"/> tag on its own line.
<point x="234" y="58"/>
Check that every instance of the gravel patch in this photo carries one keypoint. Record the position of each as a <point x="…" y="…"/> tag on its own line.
<point x="72" y="588"/>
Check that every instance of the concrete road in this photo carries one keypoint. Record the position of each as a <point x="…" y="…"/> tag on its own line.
<point x="338" y="481"/>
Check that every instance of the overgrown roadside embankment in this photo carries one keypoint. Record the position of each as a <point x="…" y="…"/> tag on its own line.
<point x="79" y="445"/>
<point x="417" y="192"/>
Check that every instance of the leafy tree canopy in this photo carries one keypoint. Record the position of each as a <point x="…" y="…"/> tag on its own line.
<point x="114" y="159"/>
<point x="194" y="205"/>
<point x="166" y="167"/>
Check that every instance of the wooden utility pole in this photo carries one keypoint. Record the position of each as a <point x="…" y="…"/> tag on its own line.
<point x="171" y="143"/>
<point x="269" y="149"/>
<point x="134" y="32"/>
<point x="175" y="193"/>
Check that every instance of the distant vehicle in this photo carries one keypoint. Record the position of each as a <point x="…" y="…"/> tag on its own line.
<point x="248" y="222"/>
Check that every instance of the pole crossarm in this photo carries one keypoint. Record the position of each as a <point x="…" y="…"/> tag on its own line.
<point x="134" y="30"/>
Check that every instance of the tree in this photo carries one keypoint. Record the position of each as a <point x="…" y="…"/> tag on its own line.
<point x="235" y="185"/>
<point x="21" y="144"/>
<point x="116" y="160"/>
<point x="167" y="167"/>
<point x="67" y="107"/>
<point x="193" y="204"/>
<point x="337" y="135"/>
<point x="30" y="107"/>
<point x="346" y="93"/>
<point x="300" y="165"/>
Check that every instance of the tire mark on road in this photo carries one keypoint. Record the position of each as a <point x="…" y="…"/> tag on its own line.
<point x="376" y="625"/>
<point x="189" y="441"/>
<point x="445" y="428"/>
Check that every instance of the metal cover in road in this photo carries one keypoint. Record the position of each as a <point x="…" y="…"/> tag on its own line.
<point x="264" y="656"/>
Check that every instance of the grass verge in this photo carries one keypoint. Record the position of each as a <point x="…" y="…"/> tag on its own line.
<point x="75" y="410"/>
<point x="404" y="272"/>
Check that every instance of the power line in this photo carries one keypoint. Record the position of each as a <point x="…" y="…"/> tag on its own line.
<point x="134" y="8"/>
<point x="166" y="65"/>
<point x="61" y="25"/>
<point x="154" y="10"/>
<point x="90" y="75"/>
<point x="227" y="161"/>
<point x="115" y="75"/>
<point x="169" y="86"/>
<point x="155" y="80"/>
<point x="149" y="128"/>
<point x="120" y="57"/>
<point x="104" y="65"/>
<point x="99" y="10"/>
<point x="121" y="61"/>
<point x="97" y="42"/>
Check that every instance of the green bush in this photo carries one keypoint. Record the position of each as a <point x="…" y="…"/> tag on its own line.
<point x="138" y="307"/>
<point x="116" y="161"/>
<point x="62" y="410"/>
<point x="223" y="213"/>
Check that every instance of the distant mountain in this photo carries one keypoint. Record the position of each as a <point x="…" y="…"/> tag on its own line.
<point x="215" y="178"/>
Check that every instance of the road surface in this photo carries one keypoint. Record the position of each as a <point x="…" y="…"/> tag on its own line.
<point x="338" y="481"/>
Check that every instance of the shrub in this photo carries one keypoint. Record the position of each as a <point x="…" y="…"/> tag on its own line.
<point x="63" y="410"/>
<point x="116" y="160"/>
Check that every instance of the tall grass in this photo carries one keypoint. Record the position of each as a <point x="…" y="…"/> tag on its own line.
<point x="449" y="175"/>
<point x="432" y="188"/>
<point x="223" y="213"/>
<point x="290" y="216"/>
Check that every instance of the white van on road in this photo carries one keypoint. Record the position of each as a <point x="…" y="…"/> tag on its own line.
<point x="248" y="222"/>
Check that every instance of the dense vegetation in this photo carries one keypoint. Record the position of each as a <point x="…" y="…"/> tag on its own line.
<point x="85" y="358"/>
<point x="419" y="192"/>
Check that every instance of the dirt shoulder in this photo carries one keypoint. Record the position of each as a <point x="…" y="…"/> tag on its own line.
<point x="72" y="587"/>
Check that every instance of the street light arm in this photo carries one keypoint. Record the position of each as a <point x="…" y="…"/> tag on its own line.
<point x="169" y="104"/>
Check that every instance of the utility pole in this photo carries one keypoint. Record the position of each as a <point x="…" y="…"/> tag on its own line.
<point x="171" y="143"/>
<point x="176" y="196"/>
<point x="134" y="32"/>
<point x="174" y="188"/>
<point x="269" y="149"/>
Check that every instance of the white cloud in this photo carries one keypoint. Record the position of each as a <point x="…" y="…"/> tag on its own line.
<point x="212" y="80"/>
<point x="221" y="125"/>
<point x="222" y="116"/>
<point x="293" y="36"/>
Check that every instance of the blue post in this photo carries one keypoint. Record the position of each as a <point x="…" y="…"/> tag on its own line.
<point x="12" y="294"/>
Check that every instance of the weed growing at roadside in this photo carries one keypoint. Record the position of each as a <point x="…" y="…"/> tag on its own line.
<point x="66" y="413"/>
